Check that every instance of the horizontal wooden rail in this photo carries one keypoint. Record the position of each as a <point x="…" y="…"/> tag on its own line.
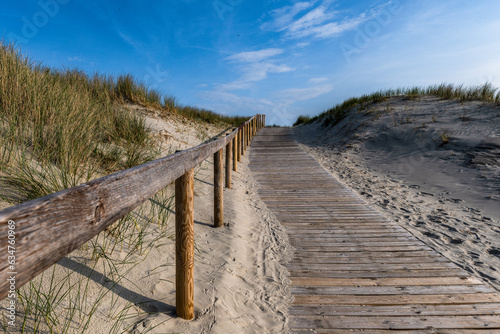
<point x="51" y="227"/>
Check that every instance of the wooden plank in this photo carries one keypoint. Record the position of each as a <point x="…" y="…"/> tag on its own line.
<point x="307" y="265"/>
<point x="368" y="259"/>
<point x="361" y="248"/>
<point x="442" y="299"/>
<point x="392" y="290"/>
<point x="396" y="281"/>
<point x="399" y="310"/>
<point x="353" y="269"/>
<point x="379" y="274"/>
<point x="429" y="254"/>
<point x="410" y="323"/>
<point x="394" y="331"/>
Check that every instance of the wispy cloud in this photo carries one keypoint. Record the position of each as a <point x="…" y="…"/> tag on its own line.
<point x="318" y="80"/>
<point x="255" y="56"/>
<point x="254" y="66"/>
<point x="130" y="41"/>
<point x="290" y="96"/>
<point x="283" y="17"/>
<point x="304" y="19"/>
<point x="76" y="59"/>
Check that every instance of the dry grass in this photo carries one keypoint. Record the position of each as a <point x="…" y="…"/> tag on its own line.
<point x="59" y="129"/>
<point x="485" y="93"/>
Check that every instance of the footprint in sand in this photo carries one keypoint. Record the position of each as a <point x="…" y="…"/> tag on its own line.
<point x="494" y="251"/>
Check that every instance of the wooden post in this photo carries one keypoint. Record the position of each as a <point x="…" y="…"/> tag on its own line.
<point x="238" y="143"/>
<point x="235" y="154"/>
<point x="229" y="150"/>
<point x="218" y="189"/>
<point x="243" y="134"/>
<point x="184" y="245"/>
<point x="248" y="135"/>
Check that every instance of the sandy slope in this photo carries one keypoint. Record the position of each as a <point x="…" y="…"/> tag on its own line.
<point x="447" y="194"/>
<point x="240" y="283"/>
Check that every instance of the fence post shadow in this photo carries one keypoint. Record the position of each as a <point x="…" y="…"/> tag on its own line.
<point x="146" y="304"/>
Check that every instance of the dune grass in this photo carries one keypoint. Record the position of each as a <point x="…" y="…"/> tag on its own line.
<point x="67" y="297"/>
<point x="209" y="116"/>
<point x="485" y="93"/>
<point x="302" y="119"/>
<point x="61" y="128"/>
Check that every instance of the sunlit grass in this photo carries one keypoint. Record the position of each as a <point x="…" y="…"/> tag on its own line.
<point x="61" y="128"/>
<point x="486" y="93"/>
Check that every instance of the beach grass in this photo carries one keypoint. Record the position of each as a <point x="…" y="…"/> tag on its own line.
<point x="485" y="93"/>
<point x="302" y="119"/>
<point x="61" y="128"/>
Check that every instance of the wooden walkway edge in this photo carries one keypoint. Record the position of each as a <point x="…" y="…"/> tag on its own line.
<point x="353" y="269"/>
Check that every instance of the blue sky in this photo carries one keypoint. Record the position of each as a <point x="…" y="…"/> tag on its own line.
<point x="280" y="58"/>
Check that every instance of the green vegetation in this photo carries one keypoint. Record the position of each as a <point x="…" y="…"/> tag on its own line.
<point x="62" y="128"/>
<point x="445" y="137"/>
<point x="59" y="129"/>
<point x="485" y="93"/>
<point x="209" y="116"/>
<point x="67" y="297"/>
<point x="302" y="119"/>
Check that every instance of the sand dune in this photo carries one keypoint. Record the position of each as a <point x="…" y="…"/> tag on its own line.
<point x="432" y="165"/>
<point x="123" y="281"/>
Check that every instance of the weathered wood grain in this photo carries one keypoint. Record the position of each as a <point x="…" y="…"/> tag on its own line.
<point x="50" y="227"/>
<point x="401" y="322"/>
<point x="238" y="138"/>
<point x="235" y="154"/>
<point x="184" y="250"/>
<point x="218" y="190"/>
<point x="353" y="269"/>
<point x="229" y="151"/>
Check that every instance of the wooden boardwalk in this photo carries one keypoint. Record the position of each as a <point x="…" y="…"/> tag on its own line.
<point x="354" y="270"/>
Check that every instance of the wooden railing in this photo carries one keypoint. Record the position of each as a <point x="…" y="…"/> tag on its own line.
<point x="43" y="231"/>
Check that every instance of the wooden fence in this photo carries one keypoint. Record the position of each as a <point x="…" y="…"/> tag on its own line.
<point x="48" y="228"/>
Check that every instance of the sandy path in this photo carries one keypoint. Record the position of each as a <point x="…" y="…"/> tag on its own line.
<point x="123" y="281"/>
<point x="240" y="283"/>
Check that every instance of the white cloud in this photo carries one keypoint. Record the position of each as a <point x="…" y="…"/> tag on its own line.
<point x="255" y="56"/>
<point x="333" y="29"/>
<point x="254" y="66"/>
<point x="290" y="96"/>
<point x="284" y="16"/>
<point x="302" y="45"/>
<point x="227" y="103"/>
<point x="318" y="80"/>
<point x="318" y="22"/>
<point x="312" y="19"/>
<point x="130" y="41"/>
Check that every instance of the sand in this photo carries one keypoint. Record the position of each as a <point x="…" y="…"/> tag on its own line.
<point x="395" y="155"/>
<point x="430" y="165"/>
<point x="241" y="285"/>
